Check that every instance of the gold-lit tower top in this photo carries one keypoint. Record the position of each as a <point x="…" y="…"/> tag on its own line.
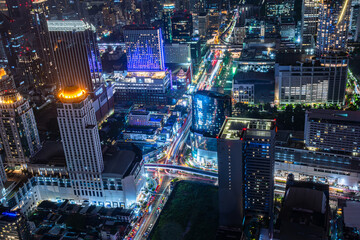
<point x="2" y="72"/>
<point x="72" y="94"/>
<point x="8" y="97"/>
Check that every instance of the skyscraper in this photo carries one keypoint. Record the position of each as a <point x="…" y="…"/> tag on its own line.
<point x="334" y="20"/>
<point x="81" y="142"/>
<point x="147" y="80"/>
<point x="18" y="130"/>
<point x="39" y="15"/>
<point x="182" y="27"/>
<point x="209" y="110"/>
<point x="245" y="168"/>
<point x="76" y="54"/>
<point x="168" y="12"/>
<point x="144" y="49"/>
<point x="310" y="17"/>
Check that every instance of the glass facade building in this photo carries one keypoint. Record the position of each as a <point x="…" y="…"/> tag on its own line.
<point x="209" y="112"/>
<point x="204" y="150"/>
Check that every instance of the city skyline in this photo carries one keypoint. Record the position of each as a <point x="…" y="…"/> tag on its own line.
<point x="184" y="119"/>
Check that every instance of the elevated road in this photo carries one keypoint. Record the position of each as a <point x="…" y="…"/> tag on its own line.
<point x="190" y="170"/>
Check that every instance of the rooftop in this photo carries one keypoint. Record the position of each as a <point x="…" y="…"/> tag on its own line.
<point x="119" y="162"/>
<point x="69" y="26"/>
<point x="51" y="153"/>
<point x="351" y="116"/>
<point x="152" y="75"/>
<point x="234" y="128"/>
<point x="72" y="94"/>
<point x="10" y="97"/>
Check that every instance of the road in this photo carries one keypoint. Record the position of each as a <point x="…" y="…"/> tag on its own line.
<point x="163" y="191"/>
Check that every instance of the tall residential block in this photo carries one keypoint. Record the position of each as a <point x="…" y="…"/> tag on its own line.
<point x="310" y="18"/>
<point x="246" y="169"/>
<point x="76" y="54"/>
<point x="18" y="130"/>
<point x="333" y="26"/>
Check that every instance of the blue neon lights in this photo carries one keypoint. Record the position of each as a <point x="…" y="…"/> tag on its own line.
<point x="10" y="214"/>
<point x="147" y="53"/>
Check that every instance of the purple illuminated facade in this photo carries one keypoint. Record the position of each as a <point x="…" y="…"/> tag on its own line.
<point x="145" y="51"/>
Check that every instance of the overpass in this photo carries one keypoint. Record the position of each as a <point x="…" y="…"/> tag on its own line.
<point x="190" y="170"/>
<point x="226" y="47"/>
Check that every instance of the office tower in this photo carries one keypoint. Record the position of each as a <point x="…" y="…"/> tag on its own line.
<point x="144" y="49"/>
<point x="81" y="142"/>
<point x="76" y="54"/>
<point x="305" y="211"/>
<point x="203" y="24"/>
<point x="6" y="80"/>
<point x="209" y="110"/>
<point x="147" y="81"/>
<point x="182" y="27"/>
<point x="39" y="15"/>
<point x="13" y="225"/>
<point x="245" y="167"/>
<point x="332" y="130"/>
<point x="276" y="8"/>
<point x="18" y="130"/>
<point x="168" y="12"/>
<point x="334" y="19"/>
<point x="310" y="18"/>
<point x="322" y="80"/>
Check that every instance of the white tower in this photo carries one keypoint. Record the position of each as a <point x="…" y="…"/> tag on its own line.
<point x="81" y="142"/>
<point x="18" y="130"/>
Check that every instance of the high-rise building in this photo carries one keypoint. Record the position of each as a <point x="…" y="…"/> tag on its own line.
<point x="321" y="80"/>
<point x="168" y="12"/>
<point x="147" y="80"/>
<point x="209" y="112"/>
<point x="310" y="18"/>
<point x="18" y="130"/>
<point x="13" y="225"/>
<point x="144" y="49"/>
<point x="182" y="27"/>
<point x="76" y="54"/>
<point x="333" y="26"/>
<point x="354" y="33"/>
<point x="246" y="169"/>
<point x="332" y="130"/>
<point x="81" y="142"/>
<point x="39" y="15"/>
<point x="276" y="8"/>
<point x="203" y="19"/>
